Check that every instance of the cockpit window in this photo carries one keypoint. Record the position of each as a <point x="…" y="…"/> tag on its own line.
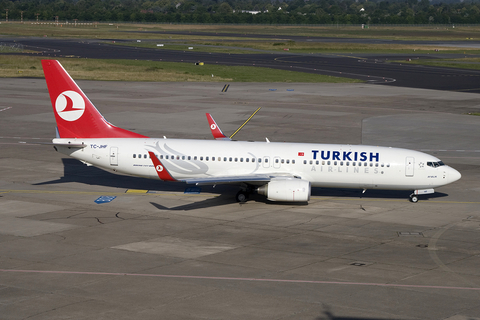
<point x="435" y="164"/>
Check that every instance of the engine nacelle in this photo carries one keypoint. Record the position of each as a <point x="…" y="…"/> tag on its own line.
<point x="295" y="190"/>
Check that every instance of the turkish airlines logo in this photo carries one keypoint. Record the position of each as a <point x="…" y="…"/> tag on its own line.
<point x="213" y="126"/>
<point x="70" y="105"/>
<point x="159" y="168"/>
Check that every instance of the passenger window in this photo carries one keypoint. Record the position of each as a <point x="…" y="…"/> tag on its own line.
<point x="189" y="158"/>
<point x="371" y="164"/>
<point x="341" y="163"/>
<point x="293" y="161"/>
<point x="388" y="165"/>
<point x="134" y="156"/>
<point x="334" y="163"/>
<point x="166" y="157"/>
<point x="213" y="158"/>
<point x="236" y="159"/>
<point x="311" y="161"/>
<point x="365" y="164"/>
<point x="266" y="160"/>
<point x="288" y="161"/>
<point x="253" y="159"/>
<point x="206" y="158"/>
<point x="241" y="159"/>
<point x="183" y="157"/>
<point x="259" y="160"/>
<point x="195" y="158"/>
<point x="376" y="164"/>
<point x="247" y="159"/>
<point x="382" y="165"/>
<point x="230" y="159"/>
<point x="304" y="161"/>
<point x="225" y="159"/>
<point x="161" y="156"/>
<point x="328" y="162"/>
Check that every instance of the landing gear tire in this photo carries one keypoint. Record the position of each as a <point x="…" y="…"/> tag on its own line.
<point x="413" y="198"/>
<point x="242" y="196"/>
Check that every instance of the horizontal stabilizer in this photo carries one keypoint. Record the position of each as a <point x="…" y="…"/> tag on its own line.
<point x="65" y="143"/>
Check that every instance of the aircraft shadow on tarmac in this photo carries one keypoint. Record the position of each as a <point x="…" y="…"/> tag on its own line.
<point x="329" y="316"/>
<point x="75" y="171"/>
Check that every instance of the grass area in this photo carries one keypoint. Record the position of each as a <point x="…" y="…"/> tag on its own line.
<point x="123" y="31"/>
<point x="134" y="70"/>
<point x="298" y="47"/>
<point x="463" y="63"/>
<point x="432" y="32"/>
<point x="184" y="46"/>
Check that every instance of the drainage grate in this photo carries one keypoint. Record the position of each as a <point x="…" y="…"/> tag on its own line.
<point x="408" y="233"/>
<point x="358" y="264"/>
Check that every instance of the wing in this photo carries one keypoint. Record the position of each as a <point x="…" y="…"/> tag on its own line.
<point x="249" y="179"/>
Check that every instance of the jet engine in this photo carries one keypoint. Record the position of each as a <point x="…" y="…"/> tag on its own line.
<point x="295" y="190"/>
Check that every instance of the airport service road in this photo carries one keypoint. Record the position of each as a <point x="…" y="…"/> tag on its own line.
<point x="155" y="252"/>
<point x="368" y="67"/>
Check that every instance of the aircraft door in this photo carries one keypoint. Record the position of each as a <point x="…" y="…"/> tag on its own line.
<point x="114" y="156"/>
<point x="266" y="162"/>
<point x="409" y="166"/>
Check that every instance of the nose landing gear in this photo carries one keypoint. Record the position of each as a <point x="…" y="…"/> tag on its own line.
<point x="414" y="195"/>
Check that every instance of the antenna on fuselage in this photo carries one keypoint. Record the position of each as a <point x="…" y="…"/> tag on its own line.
<point x="243" y="125"/>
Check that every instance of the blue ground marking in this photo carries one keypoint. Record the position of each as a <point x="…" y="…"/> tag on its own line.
<point x="193" y="190"/>
<point x="105" y="199"/>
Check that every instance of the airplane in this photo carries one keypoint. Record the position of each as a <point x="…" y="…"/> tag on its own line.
<point x="279" y="171"/>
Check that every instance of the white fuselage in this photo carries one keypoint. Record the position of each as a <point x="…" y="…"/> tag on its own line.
<point x="324" y="165"/>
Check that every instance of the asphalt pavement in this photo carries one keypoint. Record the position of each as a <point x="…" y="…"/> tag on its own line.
<point x="371" y="68"/>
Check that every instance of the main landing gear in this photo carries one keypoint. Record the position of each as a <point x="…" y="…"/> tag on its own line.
<point x="242" y="196"/>
<point x="413" y="198"/>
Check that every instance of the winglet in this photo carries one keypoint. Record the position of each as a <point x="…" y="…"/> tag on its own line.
<point x="162" y="172"/>
<point x="216" y="131"/>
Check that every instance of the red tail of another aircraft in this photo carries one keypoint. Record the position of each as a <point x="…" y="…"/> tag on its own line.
<point x="75" y="114"/>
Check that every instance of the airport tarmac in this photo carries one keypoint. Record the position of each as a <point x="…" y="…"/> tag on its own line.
<point x="155" y="252"/>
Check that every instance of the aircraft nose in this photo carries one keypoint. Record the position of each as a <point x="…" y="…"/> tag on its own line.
<point x="454" y="175"/>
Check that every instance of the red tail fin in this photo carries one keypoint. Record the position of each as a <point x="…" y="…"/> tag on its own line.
<point x="75" y="114"/>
